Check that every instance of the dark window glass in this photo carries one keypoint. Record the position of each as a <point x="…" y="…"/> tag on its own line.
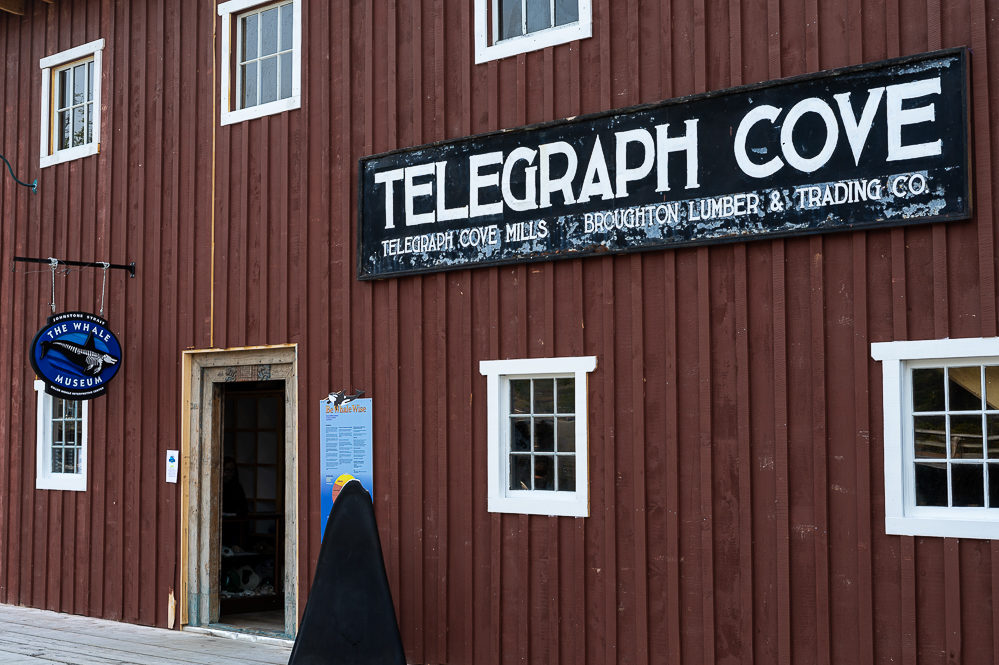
<point x="928" y="389"/>
<point x="965" y="388"/>
<point x="520" y="472"/>
<point x="566" y="389"/>
<point x="566" y="434"/>
<point x="993" y="485"/>
<point x="539" y="15"/>
<point x="511" y="21"/>
<point x="521" y="433"/>
<point x="931" y="484"/>
<point x="567" y="473"/>
<point x="57" y="460"/>
<point x="992" y="432"/>
<point x="544" y="435"/>
<point x="250" y="85"/>
<point x="992" y="387"/>
<point x="544" y="472"/>
<point x="930" y="436"/>
<point x="566" y="11"/>
<point x="544" y="396"/>
<point x="966" y="437"/>
<point x="520" y="395"/>
<point x="968" y="485"/>
<point x="79" y="125"/>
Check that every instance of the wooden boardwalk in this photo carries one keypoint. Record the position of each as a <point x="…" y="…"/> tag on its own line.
<point x="38" y="637"/>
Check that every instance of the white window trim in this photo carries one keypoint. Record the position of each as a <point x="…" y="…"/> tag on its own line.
<point x="497" y="373"/>
<point x="231" y="116"/>
<point x="44" y="478"/>
<point x="47" y="64"/>
<point x="484" y="51"/>
<point x="902" y="516"/>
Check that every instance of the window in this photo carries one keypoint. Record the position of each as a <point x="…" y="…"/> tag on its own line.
<point x="71" y="104"/>
<point x="508" y="27"/>
<point x="941" y="438"/>
<point x="61" y="442"/>
<point x="261" y="58"/>
<point x="537" y="435"/>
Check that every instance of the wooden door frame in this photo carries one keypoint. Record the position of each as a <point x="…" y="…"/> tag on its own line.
<point x="205" y="372"/>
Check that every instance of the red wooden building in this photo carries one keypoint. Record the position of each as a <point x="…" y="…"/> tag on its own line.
<point x="709" y="474"/>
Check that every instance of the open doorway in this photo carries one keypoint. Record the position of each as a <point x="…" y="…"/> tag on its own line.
<point x="251" y="561"/>
<point x="241" y="410"/>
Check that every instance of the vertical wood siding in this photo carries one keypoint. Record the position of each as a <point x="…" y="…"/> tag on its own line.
<point x="736" y="470"/>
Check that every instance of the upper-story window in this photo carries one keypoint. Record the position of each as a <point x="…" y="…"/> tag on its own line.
<point x="71" y="104"/>
<point x="941" y="436"/>
<point x="261" y="58"/>
<point x="508" y="27"/>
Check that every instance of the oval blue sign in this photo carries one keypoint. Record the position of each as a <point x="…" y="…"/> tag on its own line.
<point x="75" y="355"/>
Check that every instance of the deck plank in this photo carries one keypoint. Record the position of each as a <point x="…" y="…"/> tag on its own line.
<point x="38" y="637"/>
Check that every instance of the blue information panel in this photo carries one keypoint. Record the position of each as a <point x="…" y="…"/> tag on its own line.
<point x="345" y="446"/>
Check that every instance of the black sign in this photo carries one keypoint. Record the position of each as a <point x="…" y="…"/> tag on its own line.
<point x="882" y="144"/>
<point x="75" y="355"/>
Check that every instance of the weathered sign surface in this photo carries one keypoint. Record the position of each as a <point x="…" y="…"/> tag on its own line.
<point x="881" y="144"/>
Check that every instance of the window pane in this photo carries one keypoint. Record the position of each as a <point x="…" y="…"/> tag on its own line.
<point x="250" y="38"/>
<point x="539" y="15"/>
<point x="287" y="11"/>
<point x="285" y="75"/>
<point x="929" y="437"/>
<point x="993" y="485"/>
<point x="992" y="387"/>
<point x="70" y="430"/>
<point x="90" y="80"/>
<point x="58" y="407"/>
<point x="520" y="434"/>
<point x="566" y="11"/>
<point x="511" y="20"/>
<point x="90" y="122"/>
<point x="71" y="408"/>
<point x="544" y="396"/>
<point x="80" y="83"/>
<point x="928" y="389"/>
<point x="544" y="434"/>
<point x="69" y="464"/>
<point x="966" y="436"/>
<point x="268" y="80"/>
<point x="566" y="389"/>
<point x="544" y="472"/>
<point x="931" y="484"/>
<point x="567" y="473"/>
<point x="992" y="429"/>
<point x="57" y="432"/>
<point x="268" y="31"/>
<point x="566" y="434"/>
<point x="65" y="136"/>
<point x="266" y="482"/>
<point x="57" y="460"/>
<point x="520" y="472"/>
<point x="79" y="125"/>
<point x="965" y="388"/>
<point x="267" y="448"/>
<point x="520" y="396"/>
<point x="968" y="485"/>
<point x="65" y="89"/>
<point x="249" y="85"/>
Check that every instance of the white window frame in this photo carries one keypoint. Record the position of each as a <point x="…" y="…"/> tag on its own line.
<point x="487" y="26"/>
<point x="48" y="155"/>
<point x="229" y="11"/>
<point x="535" y="502"/>
<point x="902" y="515"/>
<point x="45" y="479"/>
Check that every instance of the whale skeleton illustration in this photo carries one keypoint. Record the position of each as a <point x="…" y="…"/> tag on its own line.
<point x="87" y="357"/>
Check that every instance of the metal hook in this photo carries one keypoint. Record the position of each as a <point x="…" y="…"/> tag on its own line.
<point x="53" y="263"/>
